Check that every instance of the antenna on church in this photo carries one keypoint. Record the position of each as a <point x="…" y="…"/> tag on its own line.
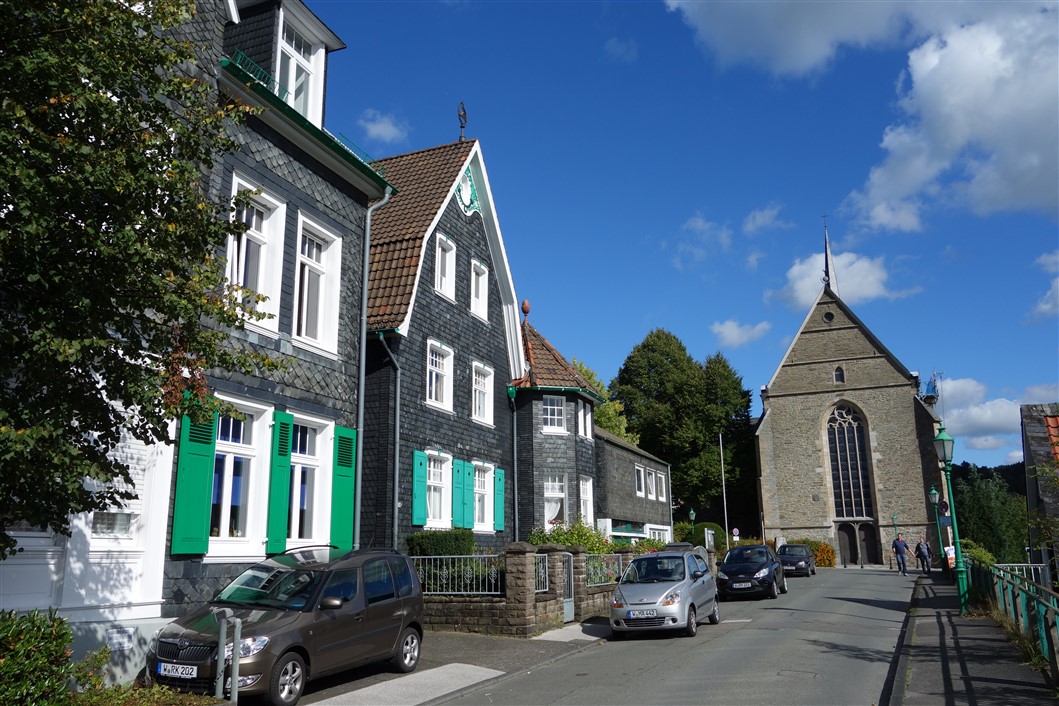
<point x="462" y="114"/>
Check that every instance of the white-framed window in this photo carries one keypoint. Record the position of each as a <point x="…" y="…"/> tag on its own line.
<point x="651" y="494"/>
<point x="255" y="257"/>
<point x="316" y="286"/>
<point x="660" y="480"/>
<point x="553" y="414"/>
<point x="639" y="481"/>
<point x="300" y="74"/>
<point x="309" y="517"/>
<point x="479" y="290"/>
<point x="587" y="500"/>
<point x="112" y="524"/>
<point x="659" y="533"/>
<point x="439" y="489"/>
<point x="483" y="497"/>
<point x="445" y="268"/>
<point x="554" y="499"/>
<point x="584" y="419"/>
<point x="482" y="393"/>
<point x="439" y="375"/>
<point x="240" y="481"/>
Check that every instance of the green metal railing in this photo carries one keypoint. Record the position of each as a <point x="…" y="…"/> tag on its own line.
<point x="1031" y="607"/>
<point x="263" y="77"/>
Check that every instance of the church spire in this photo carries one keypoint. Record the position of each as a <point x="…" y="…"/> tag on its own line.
<point x="830" y="280"/>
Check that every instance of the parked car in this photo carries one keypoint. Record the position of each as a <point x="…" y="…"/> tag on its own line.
<point x="751" y="569"/>
<point x="666" y="590"/>
<point x="305" y="613"/>
<point x="797" y="559"/>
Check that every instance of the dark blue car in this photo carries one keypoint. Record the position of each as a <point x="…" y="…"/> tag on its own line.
<point x="751" y="570"/>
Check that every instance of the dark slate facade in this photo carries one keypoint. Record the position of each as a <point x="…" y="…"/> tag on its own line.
<point x="630" y="511"/>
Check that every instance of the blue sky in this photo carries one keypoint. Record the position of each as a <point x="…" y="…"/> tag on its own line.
<point x="667" y="165"/>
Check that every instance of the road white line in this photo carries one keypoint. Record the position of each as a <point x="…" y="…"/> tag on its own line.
<point x="739" y="620"/>
<point x="415" y="688"/>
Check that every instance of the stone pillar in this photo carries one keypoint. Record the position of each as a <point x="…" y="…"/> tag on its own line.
<point x="581" y="600"/>
<point x="519" y="611"/>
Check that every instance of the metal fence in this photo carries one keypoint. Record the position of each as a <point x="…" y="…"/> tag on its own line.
<point x="540" y="570"/>
<point x="1037" y="573"/>
<point x="480" y="574"/>
<point x="601" y="569"/>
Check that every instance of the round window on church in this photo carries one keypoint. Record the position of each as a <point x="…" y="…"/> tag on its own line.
<point x="829" y="317"/>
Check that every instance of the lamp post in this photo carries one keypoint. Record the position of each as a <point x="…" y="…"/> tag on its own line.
<point x="893" y="523"/>
<point x="691" y="516"/>
<point x="943" y="447"/>
<point x="934" y="496"/>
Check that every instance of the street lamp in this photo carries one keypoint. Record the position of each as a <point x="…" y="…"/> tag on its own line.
<point x="943" y="447"/>
<point x="691" y="515"/>
<point x="934" y="496"/>
<point x="893" y="523"/>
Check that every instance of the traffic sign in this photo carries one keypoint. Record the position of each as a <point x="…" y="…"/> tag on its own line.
<point x="735" y="531"/>
<point x="943" y="507"/>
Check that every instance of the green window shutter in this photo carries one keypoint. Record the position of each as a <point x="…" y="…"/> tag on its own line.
<point x="419" y="488"/>
<point x="458" y="480"/>
<point x="498" y="499"/>
<point x="194" y="486"/>
<point x="468" y="494"/>
<point x="343" y="487"/>
<point x="279" y="482"/>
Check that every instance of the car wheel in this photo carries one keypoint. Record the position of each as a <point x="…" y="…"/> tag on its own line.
<point x="774" y="591"/>
<point x="288" y="680"/>
<point x="693" y="622"/>
<point x="407" y="656"/>
<point x="813" y="571"/>
<point x="783" y="586"/>
<point x="715" y="615"/>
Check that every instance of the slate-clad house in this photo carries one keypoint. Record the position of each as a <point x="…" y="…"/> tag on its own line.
<point x="634" y="491"/>
<point x="1040" y="453"/>
<point x="443" y="343"/>
<point x="557" y="477"/>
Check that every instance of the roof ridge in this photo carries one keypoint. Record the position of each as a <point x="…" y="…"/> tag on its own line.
<point x="426" y="149"/>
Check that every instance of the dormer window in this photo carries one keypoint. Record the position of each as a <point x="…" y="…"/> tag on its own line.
<point x="300" y="73"/>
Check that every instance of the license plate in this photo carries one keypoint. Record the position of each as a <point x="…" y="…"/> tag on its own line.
<point x="640" y="614"/>
<point x="181" y="671"/>
<point x="744" y="584"/>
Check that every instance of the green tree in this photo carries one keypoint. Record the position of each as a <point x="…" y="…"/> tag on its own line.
<point x="606" y="415"/>
<point x="114" y="302"/>
<point x="991" y="516"/>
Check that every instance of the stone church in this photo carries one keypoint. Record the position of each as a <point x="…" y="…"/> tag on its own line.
<point x="844" y="441"/>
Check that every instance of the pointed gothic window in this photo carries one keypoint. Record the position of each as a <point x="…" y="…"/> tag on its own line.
<point x="840" y="374"/>
<point x="850" y="475"/>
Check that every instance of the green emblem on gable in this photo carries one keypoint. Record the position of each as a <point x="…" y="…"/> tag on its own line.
<point x="467" y="193"/>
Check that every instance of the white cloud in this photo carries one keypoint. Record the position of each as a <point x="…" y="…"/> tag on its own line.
<point x="753" y="259"/>
<point x="859" y="279"/>
<point x="380" y="127"/>
<point x="1049" y="261"/>
<point x="1048" y="304"/>
<point x="986" y="443"/>
<point x="981" y="423"/>
<point x="621" y="51"/>
<point x="734" y="334"/>
<point x="706" y="236"/>
<point x="1041" y="394"/>
<point x="766" y="218"/>
<point x="960" y="392"/>
<point x="1014" y="456"/>
<point x="996" y="416"/>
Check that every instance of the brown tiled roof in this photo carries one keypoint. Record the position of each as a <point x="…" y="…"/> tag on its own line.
<point x="423" y="180"/>
<point x="1052" y="425"/>
<point x="547" y="367"/>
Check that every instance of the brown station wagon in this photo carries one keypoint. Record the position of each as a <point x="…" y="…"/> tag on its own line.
<point x="305" y="613"/>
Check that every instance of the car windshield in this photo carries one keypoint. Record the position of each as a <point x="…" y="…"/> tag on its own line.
<point x="794" y="551"/>
<point x="745" y="555"/>
<point x="271" y="586"/>
<point x="654" y="570"/>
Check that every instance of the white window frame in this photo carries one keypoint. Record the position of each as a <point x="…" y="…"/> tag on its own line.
<point x="251" y="543"/>
<point x="440" y="487"/>
<point x="548" y="421"/>
<point x="661" y="481"/>
<point x="584" y="419"/>
<point x="329" y="270"/>
<point x="313" y="65"/>
<point x="482" y="395"/>
<point x="480" y="290"/>
<point x="445" y="267"/>
<point x="651" y="484"/>
<point x="555" y="487"/>
<point x="270" y="267"/>
<point x="483" y="496"/>
<point x="587" y="500"/>
<point x="640" y="482"/>
<point x="320" y="463"/>
<point x="438" y="379"/>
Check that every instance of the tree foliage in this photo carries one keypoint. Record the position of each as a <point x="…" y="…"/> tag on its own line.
<point x="608" y="415"/>
<point x="991" y="516"/>
<point x="679" y="407"/>
<point x="114" y="302"/>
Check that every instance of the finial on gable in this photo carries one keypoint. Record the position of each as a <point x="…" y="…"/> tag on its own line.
<point x="525" y="308"/>
<point x="462" y="114"/>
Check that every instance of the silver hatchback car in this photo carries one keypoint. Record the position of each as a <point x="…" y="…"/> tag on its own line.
<point x="667" y="590"/>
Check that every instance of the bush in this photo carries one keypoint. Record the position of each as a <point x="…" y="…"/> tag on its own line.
<point x="577" y="534"/>
<point x="972" y="550"/>
<point x="682" y="531"/>
<point x="91" y="672"/>
<point x="451" y="542"/>
<point x="35" y="665"/>
<point x="648" y="544"/>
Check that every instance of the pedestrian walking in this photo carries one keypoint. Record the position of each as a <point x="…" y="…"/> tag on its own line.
<point x="923" y="555"/>
<point x="900" y="550"/>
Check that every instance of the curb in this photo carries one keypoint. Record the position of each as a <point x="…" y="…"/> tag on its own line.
<point x="891" y="695"/>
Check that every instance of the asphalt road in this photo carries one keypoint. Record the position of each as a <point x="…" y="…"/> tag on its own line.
<point x="829" y="640"/>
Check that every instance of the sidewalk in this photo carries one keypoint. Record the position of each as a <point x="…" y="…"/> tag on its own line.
<point x="946" y="658"/>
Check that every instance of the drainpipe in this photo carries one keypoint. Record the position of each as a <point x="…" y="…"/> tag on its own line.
<point x="396" y="433"/>
<point x="514" y="456"/>
<point x="359" y="465"/>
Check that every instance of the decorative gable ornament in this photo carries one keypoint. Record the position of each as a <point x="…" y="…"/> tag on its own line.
<point x="467" y="194"/>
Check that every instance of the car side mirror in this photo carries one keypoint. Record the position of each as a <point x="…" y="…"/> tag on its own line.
<point x="331" y="602"/>
<point x="697" y="574"/>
